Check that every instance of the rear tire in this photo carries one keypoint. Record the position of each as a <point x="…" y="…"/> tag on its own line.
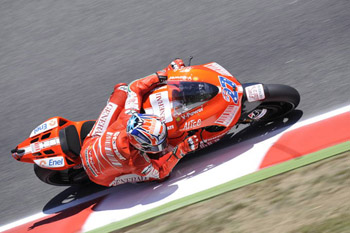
<point x="62" y="178"/>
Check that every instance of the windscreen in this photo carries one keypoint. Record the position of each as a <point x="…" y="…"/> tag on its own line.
<point x="189" y="95"/>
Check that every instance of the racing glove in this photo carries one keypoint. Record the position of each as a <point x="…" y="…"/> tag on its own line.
<point x="189" y="145"/>
<point x="174" y="65"/>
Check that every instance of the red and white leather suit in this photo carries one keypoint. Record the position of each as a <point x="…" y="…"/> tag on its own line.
<point x="108" y="157"/>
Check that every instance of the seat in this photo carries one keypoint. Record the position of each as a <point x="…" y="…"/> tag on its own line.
<point x="85" y="129"/>
<point x="70" y="141"/>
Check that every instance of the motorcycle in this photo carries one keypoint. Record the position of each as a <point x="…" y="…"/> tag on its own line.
<point x="205" y="100"/>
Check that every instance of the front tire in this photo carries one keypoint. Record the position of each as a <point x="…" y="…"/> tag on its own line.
<point x="279" y="101"/>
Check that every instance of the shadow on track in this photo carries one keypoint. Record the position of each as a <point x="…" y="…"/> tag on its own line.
<point x="81" y="197"/>
<point x="71" y="195"/>
<point x="231" y="146"/>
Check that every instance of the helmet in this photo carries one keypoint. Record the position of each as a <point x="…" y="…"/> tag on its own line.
<point x="147" y="133"/>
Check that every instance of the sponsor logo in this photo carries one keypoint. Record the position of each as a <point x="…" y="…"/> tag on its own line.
<point x="108" y="149"/>
<point x="180" y="78"/>
<point x="104" y="119"/>
<point x="40" y="128"/>
<point x="89" y="162"/>
<point x="153" y="173"/>
<point x="257" y="114"/>
<point x="170" y="127"/>
<point x="227" y="116"/>
<point x="161" y="106"/>
<point x="189" y="114"/>
<point x="130" y="178"/>
<point x="35" y="147"/>
<point x="210" y="141"/>
<point x="229" y="92"/>
<point x="52" y="123"/>
<point x="50" y="162"/>
<point x="192" y="124"/>
<point x="217" y="68"/>
<point x="47" y="125"/>
<point x="255" y="92"/>
<point x="132" y="102"/>
<point x="42" y="163"/>
<point x="147" y="169"/>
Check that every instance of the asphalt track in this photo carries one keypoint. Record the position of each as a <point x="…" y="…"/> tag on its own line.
<point x="63" y="58"/>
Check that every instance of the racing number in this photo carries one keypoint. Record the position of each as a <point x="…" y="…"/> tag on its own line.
<point x="228" y="93"/>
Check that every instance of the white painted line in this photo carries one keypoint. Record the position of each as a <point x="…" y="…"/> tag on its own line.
<point x="225" y="165"/>
<point x="321" y="117"/>
<point x="22" y="221"/>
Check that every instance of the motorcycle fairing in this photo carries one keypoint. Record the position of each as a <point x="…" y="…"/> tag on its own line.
<point x="196" y="98"/>
<point x="55" y="144"/>
<point x="203" y="99"/>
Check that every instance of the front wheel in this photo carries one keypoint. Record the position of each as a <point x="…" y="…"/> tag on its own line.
<point x="279" y="101"/>
<point x="271" y="111"/>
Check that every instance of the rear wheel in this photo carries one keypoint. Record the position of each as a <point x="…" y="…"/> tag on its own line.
<point x="62" y="178"/>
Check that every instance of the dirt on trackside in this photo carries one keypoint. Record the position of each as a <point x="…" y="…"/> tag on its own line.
<point x="315" y="198"/>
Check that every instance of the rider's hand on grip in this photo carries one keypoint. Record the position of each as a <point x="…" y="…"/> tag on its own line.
<point x="189" y="145"/>
<point x="176" y="64"/>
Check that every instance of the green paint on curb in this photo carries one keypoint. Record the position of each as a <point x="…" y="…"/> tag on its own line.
<point x="229" y="186"/>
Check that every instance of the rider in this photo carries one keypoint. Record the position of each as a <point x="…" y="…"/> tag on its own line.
<point x="125" y="146"/>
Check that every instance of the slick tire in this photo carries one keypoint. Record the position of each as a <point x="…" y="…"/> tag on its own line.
<point x="279" y="101"/>
<point x="49" y="176"/>
<point x="61" y="178"/>
<point x="281" y="93"/>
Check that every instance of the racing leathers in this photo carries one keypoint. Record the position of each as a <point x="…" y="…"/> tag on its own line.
<point x="108" y="157"/>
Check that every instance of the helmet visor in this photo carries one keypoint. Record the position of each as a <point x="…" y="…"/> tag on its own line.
<point x="155" y="149"/>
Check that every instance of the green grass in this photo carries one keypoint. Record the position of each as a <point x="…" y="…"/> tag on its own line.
<point x="309" y="193"/>
<point x="338" y="224"/>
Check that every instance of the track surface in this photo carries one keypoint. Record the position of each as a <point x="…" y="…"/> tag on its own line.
<point x="63" y="58"/>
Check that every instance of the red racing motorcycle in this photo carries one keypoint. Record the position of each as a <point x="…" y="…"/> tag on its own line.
<point x="204" y="99"/>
